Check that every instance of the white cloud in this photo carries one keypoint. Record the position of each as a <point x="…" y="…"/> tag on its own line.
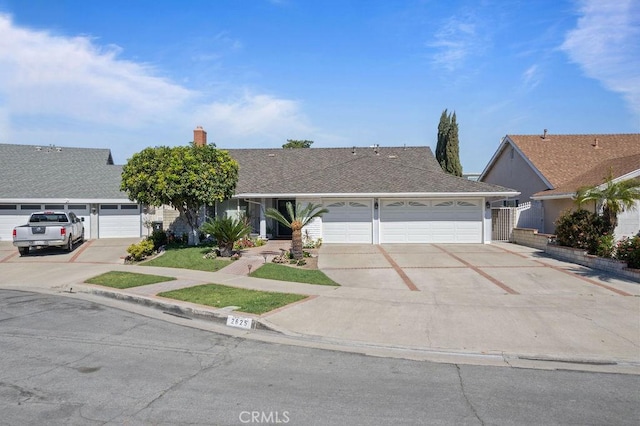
<point x="69" y="76"/>
<point x="455" y="41"/>
<point x="531" y="77"/>
<point x="71" y="91"/>
<point x="256" y="119"/>
<point x="606" y="45"/>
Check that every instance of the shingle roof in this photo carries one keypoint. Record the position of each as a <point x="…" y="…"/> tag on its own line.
<point x="571" y="161"/>
<point x="48" y="172"/>
<point x="348" y="171"/>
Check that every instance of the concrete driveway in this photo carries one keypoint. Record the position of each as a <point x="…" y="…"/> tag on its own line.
<point x="481" y="269"/>
<point x="103" y="251"/>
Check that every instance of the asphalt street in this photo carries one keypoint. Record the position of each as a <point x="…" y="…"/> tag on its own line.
<point x="71" y="361"/>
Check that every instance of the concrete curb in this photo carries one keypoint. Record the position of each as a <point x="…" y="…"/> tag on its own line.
<point x="219" y="316"/>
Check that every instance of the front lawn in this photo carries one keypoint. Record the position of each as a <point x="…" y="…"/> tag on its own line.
<point x="188" y="258"/>
<point x="274" y="271"/>
<point x="220" y="296"/>
<point x="121" y="280"/>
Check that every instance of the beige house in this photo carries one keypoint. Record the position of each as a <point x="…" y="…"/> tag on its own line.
<point x="548" y="169"/>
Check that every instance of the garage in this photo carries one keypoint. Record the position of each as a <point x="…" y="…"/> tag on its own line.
<point x="10" y="217"/>
<point x="431" y="221"/>
<point x="119" y="221"/>
<point x="348" y="221"/>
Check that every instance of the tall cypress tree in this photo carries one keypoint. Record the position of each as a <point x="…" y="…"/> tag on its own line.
<point x="453" y="165"/>
<point x="443" y="131"/>
<point x="447" y="149"/>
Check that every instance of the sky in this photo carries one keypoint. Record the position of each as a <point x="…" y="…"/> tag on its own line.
<point x="126" y="75"/>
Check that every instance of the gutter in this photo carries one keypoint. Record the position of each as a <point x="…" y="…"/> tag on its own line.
<point x="67" y="200"/>
<point x="381" y="195"/>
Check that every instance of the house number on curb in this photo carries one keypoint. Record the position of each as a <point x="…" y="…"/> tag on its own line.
<point x="239" y="322"/>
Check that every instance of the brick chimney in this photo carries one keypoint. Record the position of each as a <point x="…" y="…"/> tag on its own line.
<point x="199" y="136"/>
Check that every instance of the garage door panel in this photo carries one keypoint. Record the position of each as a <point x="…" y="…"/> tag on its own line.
<point x="119" y="221"/>
<point x="8" y="222"/>
<point x="348" y="221"/>
<point x="430" y="221"/>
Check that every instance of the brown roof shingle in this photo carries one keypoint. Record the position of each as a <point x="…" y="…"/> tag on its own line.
<point x="569" y="162"/>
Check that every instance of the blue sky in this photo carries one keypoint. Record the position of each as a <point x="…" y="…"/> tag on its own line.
<point x="126" y="75"/>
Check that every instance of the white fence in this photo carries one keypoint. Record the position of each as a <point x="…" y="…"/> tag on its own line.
<point x="504" y="219"/>
<point x="530" y="215"/>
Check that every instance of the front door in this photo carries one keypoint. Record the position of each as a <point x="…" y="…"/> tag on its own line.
<point x="282" y="231"/>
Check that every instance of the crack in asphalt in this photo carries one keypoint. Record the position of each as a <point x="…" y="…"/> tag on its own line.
<point x="466" y="398"/>
<point x="219" y="359"/>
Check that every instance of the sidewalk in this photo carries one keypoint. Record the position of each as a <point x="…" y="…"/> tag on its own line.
<point x="595" y="331"/>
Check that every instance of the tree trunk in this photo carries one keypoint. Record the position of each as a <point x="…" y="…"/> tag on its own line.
<point x="226" y="249"/>
<point x="296" y="244"/>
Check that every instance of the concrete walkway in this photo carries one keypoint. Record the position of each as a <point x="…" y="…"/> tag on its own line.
<point x="557" y="315"/>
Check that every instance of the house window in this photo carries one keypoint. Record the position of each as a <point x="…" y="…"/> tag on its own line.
<point x="466" y="204"/>
<point x="445" y="204"/>
<point x="77" y="206"/>
<point x="8" y="207"/>
<point x="396" y="204"/>
<point x="129" y="207"/>
<point x="354" y="204"/>
<point x="108" y="207"/>
<point x="30" y="207"/>
<point x="54" y="206"/>
<point x="417" y="204"/>
<point x="338" y="204"/>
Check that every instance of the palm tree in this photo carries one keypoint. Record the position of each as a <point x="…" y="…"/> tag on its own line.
<point x="297" y="220"/>
<point x="614" y="197"/>
<point x="226" y="231"/>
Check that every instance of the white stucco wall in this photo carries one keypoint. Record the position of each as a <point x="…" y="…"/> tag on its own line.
<point x="313" y="230"/>
<point x="628" y="222"/>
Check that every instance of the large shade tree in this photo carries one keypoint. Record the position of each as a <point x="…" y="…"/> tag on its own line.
<point x="184" y="177"/>
<point x="613" y="197"/>
<point x="295" y="143"/>
<point x="298" y="217"/>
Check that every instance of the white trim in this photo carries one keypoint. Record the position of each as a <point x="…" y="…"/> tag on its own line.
<point x="554" y="196"/>
<point x="630" y="175"/>
<point x="386" y="195"/>
<point x="503" y="144"/>
<point x="68" y="200"/>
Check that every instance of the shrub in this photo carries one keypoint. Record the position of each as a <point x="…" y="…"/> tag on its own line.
<point x="226" y="231"/>
<point x="606" y="246"/>
<point x="580" y="229"/>
<point x="159" y="238"/>
<point x="141" y="250"/>
<point x="628" y="250"/>
<point x="243" y="244"/>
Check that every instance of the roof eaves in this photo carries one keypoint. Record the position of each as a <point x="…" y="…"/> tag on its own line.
<point x="380" y="195"/>
<point x="530" y="163"/>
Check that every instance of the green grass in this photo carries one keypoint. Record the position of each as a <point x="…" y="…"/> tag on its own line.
<point x="187" y="258"/>
<point x="121" y="280"/>
<point x="273" y="271"/>
<point x="219" y="296"/>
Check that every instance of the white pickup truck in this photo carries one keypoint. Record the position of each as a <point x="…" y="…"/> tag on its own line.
<point x="47" y="229"/>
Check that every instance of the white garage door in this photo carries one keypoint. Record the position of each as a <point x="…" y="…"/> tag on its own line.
<point x="83" y="211"/>
<point x="348" y="221"/>
<point x="431" y="221"/>
<point x="119" y="221"/>
<point x="12" y="215"/>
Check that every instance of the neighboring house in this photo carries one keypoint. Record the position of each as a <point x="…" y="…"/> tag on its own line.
<point x="374" y="195"/>
<point x="82" y="180"/>
<point x="548" y="169"/>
